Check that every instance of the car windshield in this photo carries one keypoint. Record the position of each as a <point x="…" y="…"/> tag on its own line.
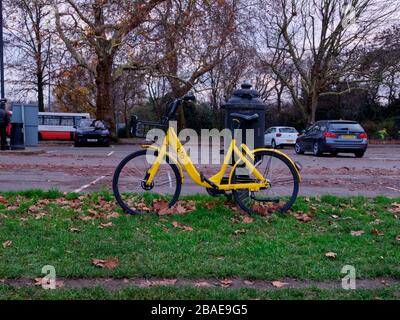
<point x="288" y="130"/>
<point x="85" y="123"/>
<point x="350" y="126"/>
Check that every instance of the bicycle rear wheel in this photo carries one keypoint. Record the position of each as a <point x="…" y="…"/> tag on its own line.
<point x="129" y="186"/>
<point x="282" y="177"/>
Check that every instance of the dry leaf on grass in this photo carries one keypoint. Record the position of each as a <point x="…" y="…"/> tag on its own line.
<point x="72" y="229"/>
<point x="46" y="282"/>
<point x="398" y="238"/>
<point x="239" y="232"/>
<point x="357" y="233"/>
<point x="376" y="222"/>
<point x="376" y="232"/>
<point x="279" y="284"/>
<point x="7" y="244"/>
<point x="183" y="227"/>
<point x="395" y="208"/>
<point x="332" y="255"/>
<point x="248" y="282"/>
<point x="105" y="225"/>
<point x="226" y="283"/>
<point x="247" y="220"/>
<point x="85" y="218"/>
<point x="3" y="200"/>
<point x="110" y="263"/>
<point x="303" y="217"/>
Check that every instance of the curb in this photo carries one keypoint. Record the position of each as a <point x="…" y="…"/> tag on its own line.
<point x="22" y="152"/>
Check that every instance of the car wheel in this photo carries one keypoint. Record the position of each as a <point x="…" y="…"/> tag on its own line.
<point x="316" y="150"/>
<point x="273" y="144"/>
<point x="77" y="144"/>
<point x="297" y="148"/>
<point x="359" y="154"/>
<point x="334" y="153"/>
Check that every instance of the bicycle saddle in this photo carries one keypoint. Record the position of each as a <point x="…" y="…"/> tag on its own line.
<point x="245" y="117"/>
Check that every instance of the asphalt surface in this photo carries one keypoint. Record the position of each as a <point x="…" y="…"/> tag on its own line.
<point x="89" y="169"/>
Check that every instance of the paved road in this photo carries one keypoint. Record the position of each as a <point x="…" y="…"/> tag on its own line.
<point x="89" y="169"/>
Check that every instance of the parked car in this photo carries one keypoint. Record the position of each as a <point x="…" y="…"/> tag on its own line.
<point x="280" y="136"/>
<point x="333" y="136"/>
<point x="90" y="131"/>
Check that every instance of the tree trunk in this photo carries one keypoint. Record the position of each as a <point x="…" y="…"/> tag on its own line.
<point x="40" y="86"/>
<point x="312" y="104"/>
<point x="104" y="105"/>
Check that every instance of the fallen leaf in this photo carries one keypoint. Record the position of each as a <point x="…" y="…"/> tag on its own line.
<point x="47" y="281"/>
<point x="110" y="263"/>
<point x="357" y="233"/>
<point x="377" y="232"/>
<point x="3" y="200"/>
<point x="248" y="282"/>
<point x="247" y="220"/>
<point x="331" y="255"/>
<point x="376" y="222"/>
<point x="335" y="216"/>
<point x="279" y="284"/>
<point x="112" y="215"/>
<point x="186" y="228"/>
<point x="72" y="229"/>
<point x="105" y="225"/>
<point x="39" y="216"/>
<point x="226" y="283"/>
<point x="398" y="238"/>
<point x="85" y="218"/>
<point x="239" y="232"/>
<point x="303" y="217"/>
<point x="175" y="224"/>
<point x="7" y="244"/>
<point x="395" y="208"/>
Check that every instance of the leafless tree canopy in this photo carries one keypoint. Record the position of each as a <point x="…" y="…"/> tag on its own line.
<point x="110" y="57"/>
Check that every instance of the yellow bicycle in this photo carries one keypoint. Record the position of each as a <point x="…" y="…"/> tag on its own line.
<point x="261" y="178"/>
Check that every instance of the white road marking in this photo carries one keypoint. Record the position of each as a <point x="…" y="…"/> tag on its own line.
<point x="110" y="154"/>
<point x="88" y="185"/>
<point x="394" y="189"/>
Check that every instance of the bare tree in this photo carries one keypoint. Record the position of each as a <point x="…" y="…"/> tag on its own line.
<point x="191" y="38"/>
<point x="309" y="35"/>
<point x="30" y="44"/>
<point x="94" y="32"/>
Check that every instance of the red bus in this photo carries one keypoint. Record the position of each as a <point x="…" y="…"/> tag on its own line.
<point x="59" y="126"/>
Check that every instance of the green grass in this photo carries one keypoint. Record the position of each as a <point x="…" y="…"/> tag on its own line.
<point x="189" y="293"/>
<point x="147" y="246"/>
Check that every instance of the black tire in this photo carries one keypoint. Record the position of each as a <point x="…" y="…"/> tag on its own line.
<point x="247" y="200"/>
<point x="316" y="151"/>
<point x="117" y="174"/>
<point x="359" y="154"/>
<point x="77" y="144"/>
<point x="334" y="153"/>
<point x="273" y="144"/>
<point x="298" y="149"/>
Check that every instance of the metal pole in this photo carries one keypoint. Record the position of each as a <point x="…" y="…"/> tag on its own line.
<point x="1" y="51"/>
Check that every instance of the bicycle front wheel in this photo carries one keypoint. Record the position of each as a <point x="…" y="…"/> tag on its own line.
<point x="130" y="189"/>
<point x="283" y="180"/>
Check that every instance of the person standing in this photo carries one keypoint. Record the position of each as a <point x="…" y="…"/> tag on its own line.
<point x="4" y="121"/>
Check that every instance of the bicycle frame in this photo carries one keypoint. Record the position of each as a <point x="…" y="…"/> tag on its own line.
<point x="171" y="139"/>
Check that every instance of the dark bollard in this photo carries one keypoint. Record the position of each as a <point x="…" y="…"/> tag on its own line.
<point x="17" y="136"/>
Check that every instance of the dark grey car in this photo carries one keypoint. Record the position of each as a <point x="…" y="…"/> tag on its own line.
<point x="333" y="136"/>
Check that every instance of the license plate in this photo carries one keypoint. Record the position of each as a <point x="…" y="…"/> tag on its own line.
<point x="348" y="136"/>
<point x="92" y="140"/>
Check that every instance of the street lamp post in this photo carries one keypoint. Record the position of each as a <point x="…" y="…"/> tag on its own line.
<point x="3" y="100"/>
